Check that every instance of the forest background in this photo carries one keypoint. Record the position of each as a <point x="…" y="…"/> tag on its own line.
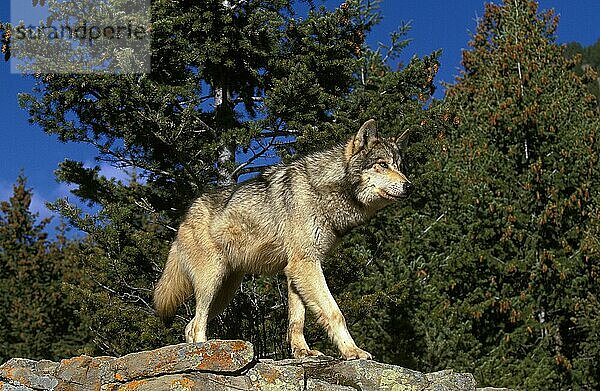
<point x="491" y="266"/>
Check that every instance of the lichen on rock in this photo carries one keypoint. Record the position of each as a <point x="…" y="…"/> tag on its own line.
<point x="219" y="365"/>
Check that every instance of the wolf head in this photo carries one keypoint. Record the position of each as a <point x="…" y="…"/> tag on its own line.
<point x="375" y="165"/>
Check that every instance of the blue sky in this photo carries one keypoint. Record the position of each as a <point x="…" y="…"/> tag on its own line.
<point x="436" y="24"/>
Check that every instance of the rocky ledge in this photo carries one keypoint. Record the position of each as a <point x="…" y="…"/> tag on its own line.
<point x="220" y="365"/>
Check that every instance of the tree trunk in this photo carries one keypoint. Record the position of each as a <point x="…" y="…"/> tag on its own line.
<point x="226" y="159"/>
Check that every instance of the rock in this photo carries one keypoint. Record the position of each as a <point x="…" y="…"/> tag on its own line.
<point x="450" y="381"/>
<point x="28" y="374"/>
<point x="184" y="382"/>
<point x="82" y="370"/>
<point x="319" y="385"/>
<point x="211" y="356"/>
<point x="266" y="376"/>
<point x="372" y="375"/>
<point x="220" y="365"/>
<point x="368" y="375"/>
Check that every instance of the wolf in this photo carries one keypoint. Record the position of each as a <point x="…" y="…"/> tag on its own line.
<point x="284" y="221"/>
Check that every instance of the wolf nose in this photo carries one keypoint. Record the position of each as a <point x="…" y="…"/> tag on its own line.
<point x="408" y="187"/>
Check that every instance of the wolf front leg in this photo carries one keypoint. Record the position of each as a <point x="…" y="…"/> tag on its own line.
<point x="307" y="279"/>
<point x="296" y="313"/>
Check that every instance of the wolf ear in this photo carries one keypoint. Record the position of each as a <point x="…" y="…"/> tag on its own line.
<point x="366" y="136"/>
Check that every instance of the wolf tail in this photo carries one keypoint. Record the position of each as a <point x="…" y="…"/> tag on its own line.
<point x="173" y="287"/>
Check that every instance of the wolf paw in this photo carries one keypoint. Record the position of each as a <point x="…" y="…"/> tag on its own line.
<point x="356" y="353"/>
<point x="302" y="353"/>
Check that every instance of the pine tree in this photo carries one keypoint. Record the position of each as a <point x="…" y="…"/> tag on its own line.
<point x="235" y="87"/>
<point x="517" y="279"/>
<point x="38" y="318"/>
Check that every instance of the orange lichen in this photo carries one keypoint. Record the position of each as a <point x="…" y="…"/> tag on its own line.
<point x="222" y="357"/>
<point x="132" y="385"/>
<point x="237" y="346"/>
<point x="270" y="375"/>
<point x="182" y="384"/>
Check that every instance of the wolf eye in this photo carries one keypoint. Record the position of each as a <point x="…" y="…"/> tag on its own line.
<point x="383" y="165"/>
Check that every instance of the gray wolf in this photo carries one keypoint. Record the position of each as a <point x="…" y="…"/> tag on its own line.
<point x="285" y="220"/>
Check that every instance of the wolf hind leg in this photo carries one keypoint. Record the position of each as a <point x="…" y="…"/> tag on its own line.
<point x="207" y="282"/>
<point x="225" y="294"/>
<point x="296" y="312"/>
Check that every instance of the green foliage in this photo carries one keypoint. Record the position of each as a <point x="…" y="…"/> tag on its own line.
<point x="38" y="318"/>
<point x="522" y="172"/>
<point x="589" y="65"/>
<point x="5" y="40"/>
